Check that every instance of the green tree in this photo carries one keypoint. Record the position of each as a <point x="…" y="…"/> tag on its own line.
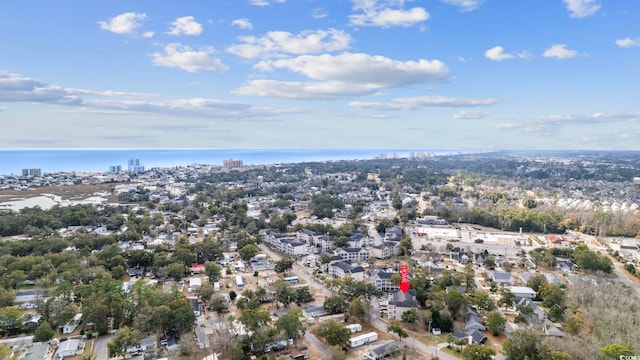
<point x="254" y="319"/>
<point x="537" y="282"/>
<point x="43" y="332"/>
<point x="358" y="309"/>
<point x="284" y="293"/>
<point x="219" y="304"/>
<point x="303" y="295"/>
<point x="335" y="304"/>
<point x="213" y="271"/>
<point x="616" y="351"/>
<point x="176" y="271"/>
<point x="123" y="339"/>
<point x="454" y="301"/>
<point x="283" y="265"/>
<point x="290" y="324"/>
<point x="523" y="345"/>
<point x="337" y="353"/>
<point x="396" y="327"/>
<point x="496" y="323"/>
<point x="507" y="298"/>
<point x="483" y="301"/>
<point x="12" y="320"/>
<point x="334" y="333"/>
<point x="205" y="292"/>
<point x="477" y="352"/>
<point x="248" y="251"/>
<point x="410" y="316"/>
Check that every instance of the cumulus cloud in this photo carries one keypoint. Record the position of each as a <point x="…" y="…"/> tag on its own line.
<point x="242" y="23"/>
<point x="125" y="23"/>
<point x="185" y="25"/>
<point x="304" y="90"/>
<point x="497" y="54"/>
<point x="276" y="43"/>
<point x="628" y="42"/>
<point x="412" y="103"/>
<point x="559" y="51"/>
<point x="386" y="13"/>
<point x="582" y="8"/>
<point x="183" y="57"/>
<point x="466" y="114"/>
<point x="358" y="68"/>
<point x="342" y="76"/>
<point x="464" y="5"/>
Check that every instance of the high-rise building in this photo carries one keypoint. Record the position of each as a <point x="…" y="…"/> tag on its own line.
<point x="115" y="168"/>
<point x="31" y="172"/>
<point x="232" y="164"/>
<point x="135" y="166"/>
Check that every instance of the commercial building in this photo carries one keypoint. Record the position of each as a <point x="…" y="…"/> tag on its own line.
<point x="232" y="164"/>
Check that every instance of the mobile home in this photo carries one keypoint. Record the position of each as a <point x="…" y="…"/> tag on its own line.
<point x="363" y="339"/>
<point x="354" y="328"/>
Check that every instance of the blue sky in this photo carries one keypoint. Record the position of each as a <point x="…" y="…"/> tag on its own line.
<point x="476" y="74"/>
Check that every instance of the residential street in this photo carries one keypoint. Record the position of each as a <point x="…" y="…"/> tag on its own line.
<point x="100" y="347"/>
<point x="375" y="322"/>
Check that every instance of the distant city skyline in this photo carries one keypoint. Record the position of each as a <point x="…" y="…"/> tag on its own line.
<point x="277" y="74"/>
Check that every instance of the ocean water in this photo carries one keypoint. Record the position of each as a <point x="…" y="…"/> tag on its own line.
<point x="12" y="161"/>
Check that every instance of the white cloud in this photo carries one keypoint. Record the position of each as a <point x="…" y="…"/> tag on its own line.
<point x="386" y="13"/>
<point x="275" y="43"/>
<point x="304" y="90"/>
<point x="559" y="51"/>
<point x="318" y="13"/>
<point x="358" y="68"/>
<point x="412" y="103"/>
<point x="242" y="23"/>
<point x="185" y="25"/>
<point x="124" y="23"/>
<point x="183" y="57"/>
<point x="16" y="88"/>
<point x="466" y="114"/>
<point x="497" y="54"/>
<point x="582" y="8"/>
<point x="628" y="42"/>
<point x="148" y="34"/>
<point x="465" y="5"/>
<point x="552" y="122"/>
<point x="264" y="2"/>
<point x="341" y="76"/>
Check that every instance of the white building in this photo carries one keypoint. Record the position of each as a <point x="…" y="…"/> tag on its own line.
<point x="70" y="347"/>
<point x="71" y="326"/>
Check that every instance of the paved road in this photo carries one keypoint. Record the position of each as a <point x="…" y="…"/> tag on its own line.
<point x="375" y="322"/>
<point x="320" y="346"/>
<point x="415" y="343"/>
<point x="100" y="347"/>
<point x="618" y="268"/>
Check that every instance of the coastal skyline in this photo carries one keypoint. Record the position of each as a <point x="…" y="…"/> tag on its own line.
<point x="439" y="74"/>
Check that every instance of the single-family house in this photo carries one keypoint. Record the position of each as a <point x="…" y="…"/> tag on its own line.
<point x="549" y="328"/>
<point x="69" y="348"/>
<point x="502" y="278"/>
<point x="523" y="292"/>
<point x="400" y="302"/>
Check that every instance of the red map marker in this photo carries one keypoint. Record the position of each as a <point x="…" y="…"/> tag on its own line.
<point x="404" y="278"/>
